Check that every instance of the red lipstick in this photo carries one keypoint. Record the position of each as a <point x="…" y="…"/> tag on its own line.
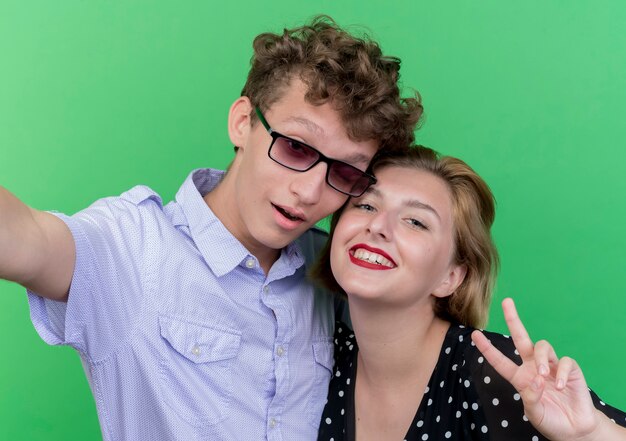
<point x="366" y="264"/>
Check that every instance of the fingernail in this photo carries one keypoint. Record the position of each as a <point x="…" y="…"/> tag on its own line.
<point x="543" y="370"/>
<point x="560" y="383"/>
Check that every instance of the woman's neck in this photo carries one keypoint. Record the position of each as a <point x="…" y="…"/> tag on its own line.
<point x="398" y="351"/>
<point x="396" y="344"/>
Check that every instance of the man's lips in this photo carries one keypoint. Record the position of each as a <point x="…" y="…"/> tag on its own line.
<point x="290" y="213"/>
<point x="370" y="257"/>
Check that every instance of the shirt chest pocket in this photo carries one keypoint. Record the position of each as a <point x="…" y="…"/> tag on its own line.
<point x="196" y="369"/>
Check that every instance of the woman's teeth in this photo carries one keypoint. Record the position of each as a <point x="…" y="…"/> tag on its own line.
<point x="370" y="257"/>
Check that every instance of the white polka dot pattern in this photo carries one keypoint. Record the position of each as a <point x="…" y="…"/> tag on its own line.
<point x="465" y="398"/>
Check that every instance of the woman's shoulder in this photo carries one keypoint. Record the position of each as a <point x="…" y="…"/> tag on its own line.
<point x="459" y="344"/>
<point x="343" y="333"/>
<point x="344" y="341"/>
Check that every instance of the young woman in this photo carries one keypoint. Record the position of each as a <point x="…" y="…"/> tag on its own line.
<point x="414" y="256"/>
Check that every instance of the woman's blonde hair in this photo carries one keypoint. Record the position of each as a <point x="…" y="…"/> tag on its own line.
<point x="473" y="210"/>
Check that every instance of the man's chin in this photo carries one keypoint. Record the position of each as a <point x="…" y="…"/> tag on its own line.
<point x="284" y="240"/>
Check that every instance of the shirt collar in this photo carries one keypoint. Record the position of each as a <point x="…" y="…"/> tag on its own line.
<point x="219" y="248"/>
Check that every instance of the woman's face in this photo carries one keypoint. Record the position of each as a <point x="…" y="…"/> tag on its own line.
<point x="395" y="243"/>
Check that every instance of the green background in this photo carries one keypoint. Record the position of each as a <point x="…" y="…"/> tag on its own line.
<point x="97" y="96"/>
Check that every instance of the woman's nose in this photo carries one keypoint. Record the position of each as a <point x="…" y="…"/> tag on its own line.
<point x="379" y="225"/>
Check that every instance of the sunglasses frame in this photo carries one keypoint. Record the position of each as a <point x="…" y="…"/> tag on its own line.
<point x="321" y="157"/>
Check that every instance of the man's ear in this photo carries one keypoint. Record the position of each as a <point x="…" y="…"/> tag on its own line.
<point x="452" y="280"/>
<point x="239" y="121"/>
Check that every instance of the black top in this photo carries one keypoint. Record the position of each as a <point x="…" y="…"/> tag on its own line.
<point x="466" y="399"/>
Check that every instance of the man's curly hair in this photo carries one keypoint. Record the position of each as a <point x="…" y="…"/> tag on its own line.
<point x="350" y="73"/>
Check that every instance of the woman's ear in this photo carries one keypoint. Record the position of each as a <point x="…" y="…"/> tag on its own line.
<point x="239" y="121"/>
<point x="453" y="279"/>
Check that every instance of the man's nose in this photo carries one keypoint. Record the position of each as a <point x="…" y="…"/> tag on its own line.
<point x="309" y="185"/>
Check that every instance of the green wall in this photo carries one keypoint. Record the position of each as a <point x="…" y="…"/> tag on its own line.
<point x="97" y="96"/>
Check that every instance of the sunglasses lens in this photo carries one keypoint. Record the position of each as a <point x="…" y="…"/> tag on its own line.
<point x="293" y="154"/>
<point x="347" y="178"/>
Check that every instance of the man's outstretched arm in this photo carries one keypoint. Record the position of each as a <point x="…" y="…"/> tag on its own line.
<point x="36" y="248"/>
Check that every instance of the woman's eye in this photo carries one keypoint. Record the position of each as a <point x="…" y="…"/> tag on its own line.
<point x="416" y="224"/>
<point x="365" y="207"/>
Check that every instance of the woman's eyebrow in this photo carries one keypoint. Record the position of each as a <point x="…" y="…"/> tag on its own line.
<point x="412" y="203"/>
<point x="415" y="203"/>
<point x="373" y="191"/>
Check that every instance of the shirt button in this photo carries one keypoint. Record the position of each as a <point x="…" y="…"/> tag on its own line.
<point x="195" y="350"/>
<point x="272" y="423"/>
<point x="280" y="351"/>
<point x="250" y="263"/>
<point x="266" y="289"/>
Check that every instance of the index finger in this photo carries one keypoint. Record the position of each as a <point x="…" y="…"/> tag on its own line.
<point x="523" y="343"/>
<point x="500" y="362"/>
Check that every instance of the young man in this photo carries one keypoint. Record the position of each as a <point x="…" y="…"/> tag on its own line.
<point x="194" y="320"/>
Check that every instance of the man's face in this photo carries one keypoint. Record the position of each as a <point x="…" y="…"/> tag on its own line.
<point x="274" y="205"/>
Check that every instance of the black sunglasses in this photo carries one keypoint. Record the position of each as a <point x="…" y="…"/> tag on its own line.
<point x="298" y="156"/>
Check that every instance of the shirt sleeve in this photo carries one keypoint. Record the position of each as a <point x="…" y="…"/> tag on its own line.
<point x="106" y="290"/>
<point x="502" y="405"/>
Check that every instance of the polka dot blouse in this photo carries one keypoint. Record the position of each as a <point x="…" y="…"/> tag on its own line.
<point x="465" y="398"/>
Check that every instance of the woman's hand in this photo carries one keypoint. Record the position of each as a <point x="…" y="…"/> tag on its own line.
<point x="554" y="392"/>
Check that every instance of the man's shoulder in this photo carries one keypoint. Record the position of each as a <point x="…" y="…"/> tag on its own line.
<point x="141" y="194"/>
<point x="134" y="208"/>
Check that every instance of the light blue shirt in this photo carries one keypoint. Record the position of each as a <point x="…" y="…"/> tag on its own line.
<point x="182" y="335"/>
